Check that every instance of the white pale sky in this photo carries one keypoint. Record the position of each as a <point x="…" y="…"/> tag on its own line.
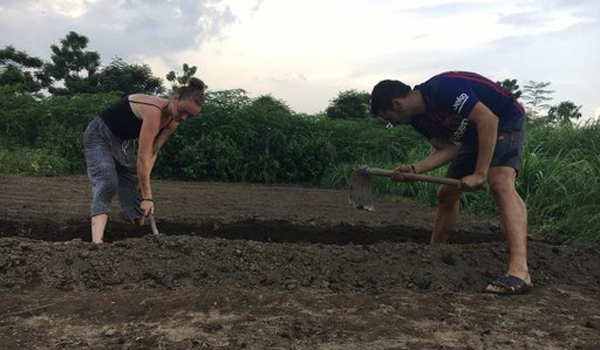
<point x="306" y="51"/>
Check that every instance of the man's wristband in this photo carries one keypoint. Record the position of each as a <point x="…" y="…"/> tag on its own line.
<point x="412" y="166"/>
<point x="148" y="199"/>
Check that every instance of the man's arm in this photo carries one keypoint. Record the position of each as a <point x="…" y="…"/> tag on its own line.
<point x="444" y="152"/>
<point x="487" y="132"/>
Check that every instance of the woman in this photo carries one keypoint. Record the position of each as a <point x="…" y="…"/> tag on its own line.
<point x="112" y="166"/>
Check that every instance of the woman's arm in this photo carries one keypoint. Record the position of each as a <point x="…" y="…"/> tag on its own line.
<point x="160" y="140"/>
<point x="150" y="127"/>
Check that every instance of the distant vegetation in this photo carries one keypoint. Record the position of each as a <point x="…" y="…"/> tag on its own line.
<point x="46" y="106"/>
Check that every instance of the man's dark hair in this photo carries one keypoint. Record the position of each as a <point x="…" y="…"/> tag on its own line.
<point x="384" y="92"/>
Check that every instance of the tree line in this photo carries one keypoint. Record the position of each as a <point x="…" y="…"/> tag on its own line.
<point x="73" y="70"/>
<point x="536" y="97"/>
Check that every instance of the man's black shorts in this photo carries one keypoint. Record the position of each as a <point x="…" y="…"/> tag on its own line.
<point x="508" y="152"/>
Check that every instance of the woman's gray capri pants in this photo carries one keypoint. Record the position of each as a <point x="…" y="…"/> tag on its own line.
<point x="111" y="167"/>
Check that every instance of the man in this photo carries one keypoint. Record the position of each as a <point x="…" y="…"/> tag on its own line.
<point x="479" y="127"/>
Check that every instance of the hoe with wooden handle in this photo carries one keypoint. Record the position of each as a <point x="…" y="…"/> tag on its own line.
<point x="153" y="224"/>
<point x="359" y="187"/>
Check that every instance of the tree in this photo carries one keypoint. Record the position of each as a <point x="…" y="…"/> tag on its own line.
<point x="18" y="68"/>
<point x="511" y="86"/>
<point x="564" y="113"/>
<point x="228" y="101"/>
<point x="69" y="61"/>
<point x="128" y="79"/>
<point x="268" y="104"/>
<point x="536" y="96"/>
<point x="349" y="104"/>
<point x="177" y="81"/>
<point x="267" y="116"/>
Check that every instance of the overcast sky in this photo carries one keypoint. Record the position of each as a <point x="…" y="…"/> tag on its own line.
<point x="306" y="51"/>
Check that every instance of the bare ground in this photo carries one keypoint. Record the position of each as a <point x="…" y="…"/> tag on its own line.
<point x="241" y="266"/>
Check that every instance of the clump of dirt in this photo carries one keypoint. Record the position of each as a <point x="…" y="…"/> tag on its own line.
<point x="186" y="261"/>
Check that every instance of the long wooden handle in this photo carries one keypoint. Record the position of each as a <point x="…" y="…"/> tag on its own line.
<point x="416" y="177"/>
<point x="153" y="224"/>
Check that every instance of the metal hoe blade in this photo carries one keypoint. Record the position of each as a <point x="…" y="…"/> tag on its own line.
<point x="359" y="190"/>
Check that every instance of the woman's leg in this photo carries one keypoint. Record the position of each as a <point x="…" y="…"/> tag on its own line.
<point x="129" y="194"/>
<point x="103" y="176"/>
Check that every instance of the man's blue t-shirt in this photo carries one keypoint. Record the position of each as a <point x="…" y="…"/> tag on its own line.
<point x="449" y="99"/>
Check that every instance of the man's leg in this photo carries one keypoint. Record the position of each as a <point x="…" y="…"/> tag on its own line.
<point x="446" y="215"/>
<point x="513" y="214"/>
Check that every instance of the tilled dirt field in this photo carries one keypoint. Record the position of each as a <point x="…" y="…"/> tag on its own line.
<point x="242" y="266"/>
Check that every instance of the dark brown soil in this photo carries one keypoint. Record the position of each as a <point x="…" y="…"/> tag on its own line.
<point x="241" y="266"/>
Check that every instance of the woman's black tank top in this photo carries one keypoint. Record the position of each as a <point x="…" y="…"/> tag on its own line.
<point x="122" y="121"/>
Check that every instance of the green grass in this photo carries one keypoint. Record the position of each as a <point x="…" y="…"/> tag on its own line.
<point x="559" y="182"/>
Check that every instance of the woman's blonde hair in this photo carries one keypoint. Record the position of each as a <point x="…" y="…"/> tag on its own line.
<point x="194" y="90"/>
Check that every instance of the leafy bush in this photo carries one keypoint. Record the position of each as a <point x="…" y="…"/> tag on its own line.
<point x="54" y="124"/>
<point x="32" y="162"/>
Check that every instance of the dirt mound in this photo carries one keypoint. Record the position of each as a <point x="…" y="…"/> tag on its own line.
<point x="184" y="261"/>
<point x="252" y="236"/>
<point x="245" y="266"/>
